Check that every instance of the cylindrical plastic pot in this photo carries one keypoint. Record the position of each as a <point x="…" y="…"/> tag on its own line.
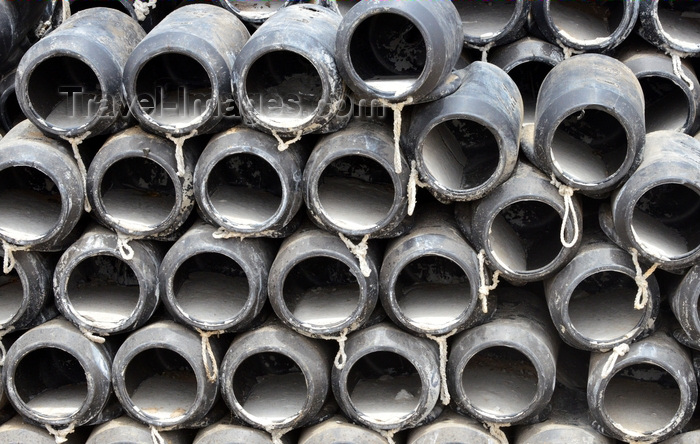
<point x="429" y="280"/>
<point x="316" y="285"/>
<point x="10" y="112"/>
<point x="390" y="50"/>
<point x="504" y="371"/>
<point x="216" y="284"/>
<point x="649" y="394"/>
<point x="17" y="431"/>
<point x="656" y="211"/>
<point x="586" y="26"/>
<point x="451" y="427"/>
<point x="527" y="61"/>
<point x="350" y="183"/>
<point x="124" y="430"/>
<point x="487" y="24"/>
<point x="134" y="187"/>
<point x="160" y="378"/>
<point x="592" y="299"/>
<point x="179" y="77"/>
<point x="55" y="361"/>
<point x="518" y="226"/>
<point x="684" y="303"/>
<point x="337" y="430"/>
<point x="671" y="103"/>
<point x="466" y="144"/>
<point x="41" y="190"/>
<point x="291" y="87"/>
<point x="148" y="20"/>
<point x="245" y="185"/>
<point x="391" y="379"/>
<point x="234" y="434"/>
<point x="70" y="82"/>
<point x="273" y="378"/>
<point x="670" y="26"/>
<point x="589" y="123"/>
<point x="99" y="291"/>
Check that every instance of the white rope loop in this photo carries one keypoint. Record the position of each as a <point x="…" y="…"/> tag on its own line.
<point x="8" y="260"/>
<point x="125" y="250"/>
<point x="485" y="52"/>
<point x="340" y="358"/>
<point x="91" y="336"/>
<point x="3" y="351"/>
<point x="567" y="193"/>
<point x="484" y="288"/>
<point x="678" y="70"/>
<point x="617" y="352"/>
<point x="143" y="8"/>
<point x="413" y="182"/>
<point x="179" y="154"/>
<point x="156" y="437"/>
<point x="359" y="251"/>
<point x="496" y="431"/>
<point x="397" y="108"/>
<point x="640" y="278"/>
<point x="442" y="345"/>
<point x="75" y="143"/>
<point x="277" y="434"/>
<point x="208" y="357"/>
<point x="388" y="435"/>
<point x="223" y="233"/>
<point x="65" y="11"/>
<point x="282" y="145"/>
<point x="60" y="436"/>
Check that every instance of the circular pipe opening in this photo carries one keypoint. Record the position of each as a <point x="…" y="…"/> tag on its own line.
<point x="525" y="236"/>
<point x="642" y="398"/>
<point x="80" y="5"/>
<point x="528" y="76"/>
<point x="211" y="288"/>
<point x="103" y="290"/>
<point x="680" y="21"/>
<point x="178" y="86"/>
<point x="245" y="190"/>
<point x="355" y="193"/>
<point x="485" y="19"/>
<point x="270" y="387"/>
<point x="64" y="91"/>
<point x="51" y="383"/>
<point x="666" y="106"/>
<point x="321" y="291"/>
<point x="460" y="154"/>
<point x="589" y="146"/>
<point x="665" y="221"/>
<point x="500" y="381"/>
<point x="285" y="88"/>
<point x="161" y="383"/>
<point x="388" y="52"/>
<point x="384" y="387"/>
<point x="601" y="307"/>
<point x="585" y="20"/>
<point x="11" y="296"/>
<point x="30" y="203"/>
<point x="138" y="193"/>
<point x="432" y="291"/>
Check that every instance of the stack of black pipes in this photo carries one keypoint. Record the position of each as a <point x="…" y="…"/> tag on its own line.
<point x="402" y="221"/>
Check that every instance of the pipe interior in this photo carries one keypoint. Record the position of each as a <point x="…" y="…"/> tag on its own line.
<point x="245" y="190"/>
<point x="211" y="287"/>
<point x="601" y="307"/>
<point x="270" y="387"/>
<point x="11" y="295"/>
<point x="51" y="382"/>
<point x="500" y="381"/>
<point x="161" y="383"/>
<point x="528" y="76"/>
<point x="666" y="106"/>
<point x="80" y="5"/>
<point x="138" y="193"/>
<point x="345" y="5"/>
<point x="321" y="291"/>
<point x="388" y="52"/>
<point x="642" y="398"/>
<point x="285" y="88"/>
<point x="103" y="290"/>
<point x="257" y="8"/>
<point x="384" y="387"/>
<point x="586" y="20"/>
<point x="30" y="203"/>
<point x="356" y="193"/>
<point x="433" y="291"/>
<point x="485" y="19"/>
<point x="10" y="112"/>
<point x="589" y="146"/>
<point x="460" y="154"/>
<point x="680" y="20"/>
<point x="64" y="91"/>
<point x="525" y="236"/>
<point x="175" y="88"/>
<point x="665" y="221"/>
